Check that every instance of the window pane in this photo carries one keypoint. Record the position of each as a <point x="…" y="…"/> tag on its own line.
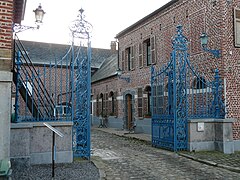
<point x="238" y="32"/>
<point x="237" y="14"/>
<point x="140" y="93"/>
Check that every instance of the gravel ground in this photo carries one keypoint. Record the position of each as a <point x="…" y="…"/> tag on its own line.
<point x="79" y="169"/>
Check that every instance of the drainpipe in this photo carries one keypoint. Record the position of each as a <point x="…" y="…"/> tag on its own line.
<point x="117" y="53"/>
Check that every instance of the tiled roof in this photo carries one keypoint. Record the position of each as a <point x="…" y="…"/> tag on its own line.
<point x="108" y="69"/>
<point x="44" y="53"/>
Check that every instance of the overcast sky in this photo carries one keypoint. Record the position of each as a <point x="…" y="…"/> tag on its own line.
<point x="108" y="18"/>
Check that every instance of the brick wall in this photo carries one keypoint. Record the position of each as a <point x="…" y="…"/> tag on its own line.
<point x="106" y="87"/>
<point x="6" y="16"/>
<point x="196" y="16"/>
<point x="231" y="63"/>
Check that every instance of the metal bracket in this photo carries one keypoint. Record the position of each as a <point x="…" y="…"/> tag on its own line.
<point x="216" y="53"/>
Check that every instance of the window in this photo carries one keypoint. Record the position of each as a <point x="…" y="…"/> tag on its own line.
<point x="97" y="106"/>
<point x="148" y="52"/>
<point x="129" y="58"/>
<point x="105" y="104"/>
<point x="140" y="102"/>
<point x="237" y="26"/>
<point x="112" y="103"/>
<point x="123" y="67"/>
<point x="132" y="59"/>
<point x="149" y="100"/>
<point x="101" y="104"/>
<point x="140" y="57"/>
<point x="153" y="55"/>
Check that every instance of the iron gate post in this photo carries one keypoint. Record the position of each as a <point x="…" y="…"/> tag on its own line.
<point x="18" y="85"/>
<point x="179" y="56"/>
<point x="81" y="29"/>
<point x="174" y="99"/>
<point x="216" y="94"/>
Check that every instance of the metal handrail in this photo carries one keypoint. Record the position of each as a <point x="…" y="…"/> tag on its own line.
<point x="28" y="70"/>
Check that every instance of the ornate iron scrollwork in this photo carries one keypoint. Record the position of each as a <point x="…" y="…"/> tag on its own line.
<point x="80" y="28"/>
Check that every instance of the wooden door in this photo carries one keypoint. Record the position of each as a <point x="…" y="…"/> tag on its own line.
<point x="129" y="111"/>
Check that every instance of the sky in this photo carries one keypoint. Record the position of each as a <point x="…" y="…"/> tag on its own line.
<point x="108" y="18"/>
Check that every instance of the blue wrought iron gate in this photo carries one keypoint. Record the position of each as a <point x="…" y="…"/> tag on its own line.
<point x="179" y="93"/>
<point x="57" y="90"/>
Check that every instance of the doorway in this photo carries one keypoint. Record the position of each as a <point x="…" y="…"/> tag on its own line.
<point x="129" y="112"/>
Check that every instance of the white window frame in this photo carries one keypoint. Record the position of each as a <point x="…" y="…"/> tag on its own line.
<point x="236" y="27"/>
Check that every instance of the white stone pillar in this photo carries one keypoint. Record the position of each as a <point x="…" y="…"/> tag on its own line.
<point x="5" y="113"/>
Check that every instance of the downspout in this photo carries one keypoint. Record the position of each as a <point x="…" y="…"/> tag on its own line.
<point x="117" y="53"/>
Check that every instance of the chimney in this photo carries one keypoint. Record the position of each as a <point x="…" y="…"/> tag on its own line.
<point x="113" y="46"/>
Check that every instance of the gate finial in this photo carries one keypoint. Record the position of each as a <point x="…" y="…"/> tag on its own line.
<point x="80" y="28"/>
<point x="179" y="41"/>
<point x="179" y="29"/>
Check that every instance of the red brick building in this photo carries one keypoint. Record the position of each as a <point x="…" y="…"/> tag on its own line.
<point x="151" y="37"/>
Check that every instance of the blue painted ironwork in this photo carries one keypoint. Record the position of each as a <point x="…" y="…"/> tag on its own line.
<point x="81" y="29"/>
<point x="43" y="96"/>
<point x="218" y="106"/>
<point x="58" y="90"/>
<point x="179" y="93"/>
<point x="18" y="84"/>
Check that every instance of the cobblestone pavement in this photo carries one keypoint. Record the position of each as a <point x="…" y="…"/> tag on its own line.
<point x="124" y="158"/>
<point x="215" y="158"/>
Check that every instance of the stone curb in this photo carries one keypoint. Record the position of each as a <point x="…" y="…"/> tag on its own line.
<point x="211" y="163"/>
<point x="230" y="168"/>
<point x="97" y="161"/>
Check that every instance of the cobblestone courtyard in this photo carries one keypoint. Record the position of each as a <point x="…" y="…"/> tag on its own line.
<point x="123" y="158"/>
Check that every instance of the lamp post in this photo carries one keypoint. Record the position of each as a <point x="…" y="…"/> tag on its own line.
<point x="39" y="14"/>
<point x="204" y="41"/>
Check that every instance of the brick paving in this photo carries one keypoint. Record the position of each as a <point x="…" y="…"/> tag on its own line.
<point x="128" y="158"/>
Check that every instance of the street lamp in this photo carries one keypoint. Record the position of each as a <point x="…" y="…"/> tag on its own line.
<point x="204" y="41"/>
<point x="39" y="13"/>
<point x="119" y="74"/>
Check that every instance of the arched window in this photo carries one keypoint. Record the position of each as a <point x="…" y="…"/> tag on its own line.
<point x="101" y="104"/>
<point x="149" y="101"/>
<point x="112" y="111"/>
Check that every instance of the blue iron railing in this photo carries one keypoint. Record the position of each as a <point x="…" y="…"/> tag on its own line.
<point x="42" y="92"/>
